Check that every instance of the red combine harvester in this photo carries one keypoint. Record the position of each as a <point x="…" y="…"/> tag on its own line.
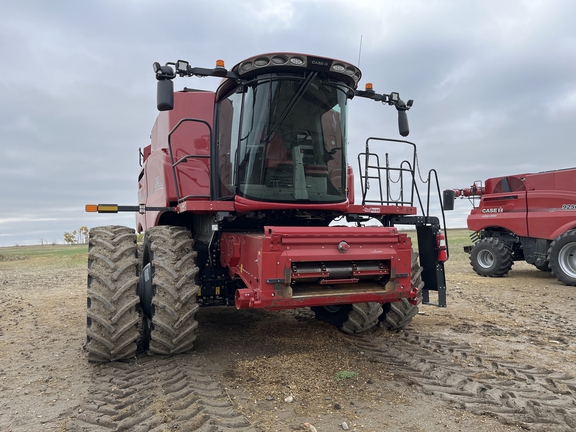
<point x="246" y="198"/>
<point x="529" y="217"/>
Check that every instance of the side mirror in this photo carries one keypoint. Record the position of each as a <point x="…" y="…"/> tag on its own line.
<point x="165" y="95"/>
<point x="448" y="199"/>
<point x="403" y="127"/>
<point x="402" y="107"/>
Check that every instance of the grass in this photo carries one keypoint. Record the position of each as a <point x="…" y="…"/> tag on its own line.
<point x="456" y="239"/>
<point x="341" y="375"/>
<point x="47" y="255"/>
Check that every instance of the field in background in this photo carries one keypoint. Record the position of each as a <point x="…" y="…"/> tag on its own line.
<point x="46" y="255"/>
<point x="457" y="239"/>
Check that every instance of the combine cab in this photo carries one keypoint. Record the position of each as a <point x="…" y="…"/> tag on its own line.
<point x="246" y="198"/>
<point x="529" y="217"/>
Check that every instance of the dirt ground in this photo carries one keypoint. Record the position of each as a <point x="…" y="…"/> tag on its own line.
<point x="499" y="358"/>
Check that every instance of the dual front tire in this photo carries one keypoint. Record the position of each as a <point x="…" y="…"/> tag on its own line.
<point x="140" y="299"/>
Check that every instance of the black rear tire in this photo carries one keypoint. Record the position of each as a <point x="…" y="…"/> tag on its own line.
<point x="562" y="255"/>
<point x="335" y="315"/>
<point x="490" y="257"/>
<point x="361" y="317"/>
<point x="350" y="318"/>
<point x="399" y="314"/>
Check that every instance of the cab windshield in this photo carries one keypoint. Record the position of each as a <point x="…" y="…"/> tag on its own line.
<point x="282" y="138"/>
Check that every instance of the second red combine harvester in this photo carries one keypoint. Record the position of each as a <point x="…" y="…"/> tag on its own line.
<point x="529" y="217"/>
<point x="238" y="197"/>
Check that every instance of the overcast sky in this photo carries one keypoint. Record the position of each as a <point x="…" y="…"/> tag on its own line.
<point x="493" y="83"/>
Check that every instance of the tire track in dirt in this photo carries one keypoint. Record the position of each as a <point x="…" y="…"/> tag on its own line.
<point x="524" y="395"/>
<point x="546" y="321"/>
<point x="153" y="394"/>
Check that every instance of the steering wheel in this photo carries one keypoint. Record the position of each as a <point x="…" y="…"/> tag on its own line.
<point x="296" y="136"/>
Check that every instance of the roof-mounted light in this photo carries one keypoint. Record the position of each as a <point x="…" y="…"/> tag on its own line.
<point x="261" y="62"/>
<point x="279" y="59"/>
<point x="294" y="62"/>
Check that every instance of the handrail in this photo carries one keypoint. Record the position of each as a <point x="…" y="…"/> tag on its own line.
<point x="186" y="157"/>
<point x="376" y="172"/>
<point x="429" y="181"/>
<point x="405" y="168"/>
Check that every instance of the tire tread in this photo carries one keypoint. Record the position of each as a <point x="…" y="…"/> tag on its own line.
<point x="174" y="261"/>
<point x="112" y="314"/>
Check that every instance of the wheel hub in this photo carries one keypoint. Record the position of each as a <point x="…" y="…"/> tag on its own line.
<point x="567" y="259"/>
<point x="485" y="259"/>
<point x="145" y="290"/>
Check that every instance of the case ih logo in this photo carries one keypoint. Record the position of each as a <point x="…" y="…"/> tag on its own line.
<point x="493" y="210"/>
<point x="320" y="63"/>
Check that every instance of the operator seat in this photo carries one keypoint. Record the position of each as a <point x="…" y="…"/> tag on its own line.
<point x="276" y="153"/>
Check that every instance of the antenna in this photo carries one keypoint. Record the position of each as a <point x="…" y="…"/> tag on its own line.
<point x="360" y="51"/>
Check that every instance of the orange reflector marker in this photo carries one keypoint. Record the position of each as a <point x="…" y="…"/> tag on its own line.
<point x="219" y="63"/>
<point x="102" y="208"/>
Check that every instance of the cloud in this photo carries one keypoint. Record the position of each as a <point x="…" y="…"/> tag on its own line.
<point x="271" y="15"/>
<point x="493" y="83"/>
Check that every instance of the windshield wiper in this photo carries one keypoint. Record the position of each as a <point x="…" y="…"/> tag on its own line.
<point x="297" y="96"/>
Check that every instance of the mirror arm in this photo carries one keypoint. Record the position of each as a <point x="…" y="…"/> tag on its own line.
<point x="217" y="72"/>
<point x="391" y="99"/>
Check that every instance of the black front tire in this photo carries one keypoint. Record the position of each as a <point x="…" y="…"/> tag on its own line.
<point x="490" y="257"/>
<point x="169" y="297"/>
<point x="562" y="255"/>
<point x="113" y="314"/>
